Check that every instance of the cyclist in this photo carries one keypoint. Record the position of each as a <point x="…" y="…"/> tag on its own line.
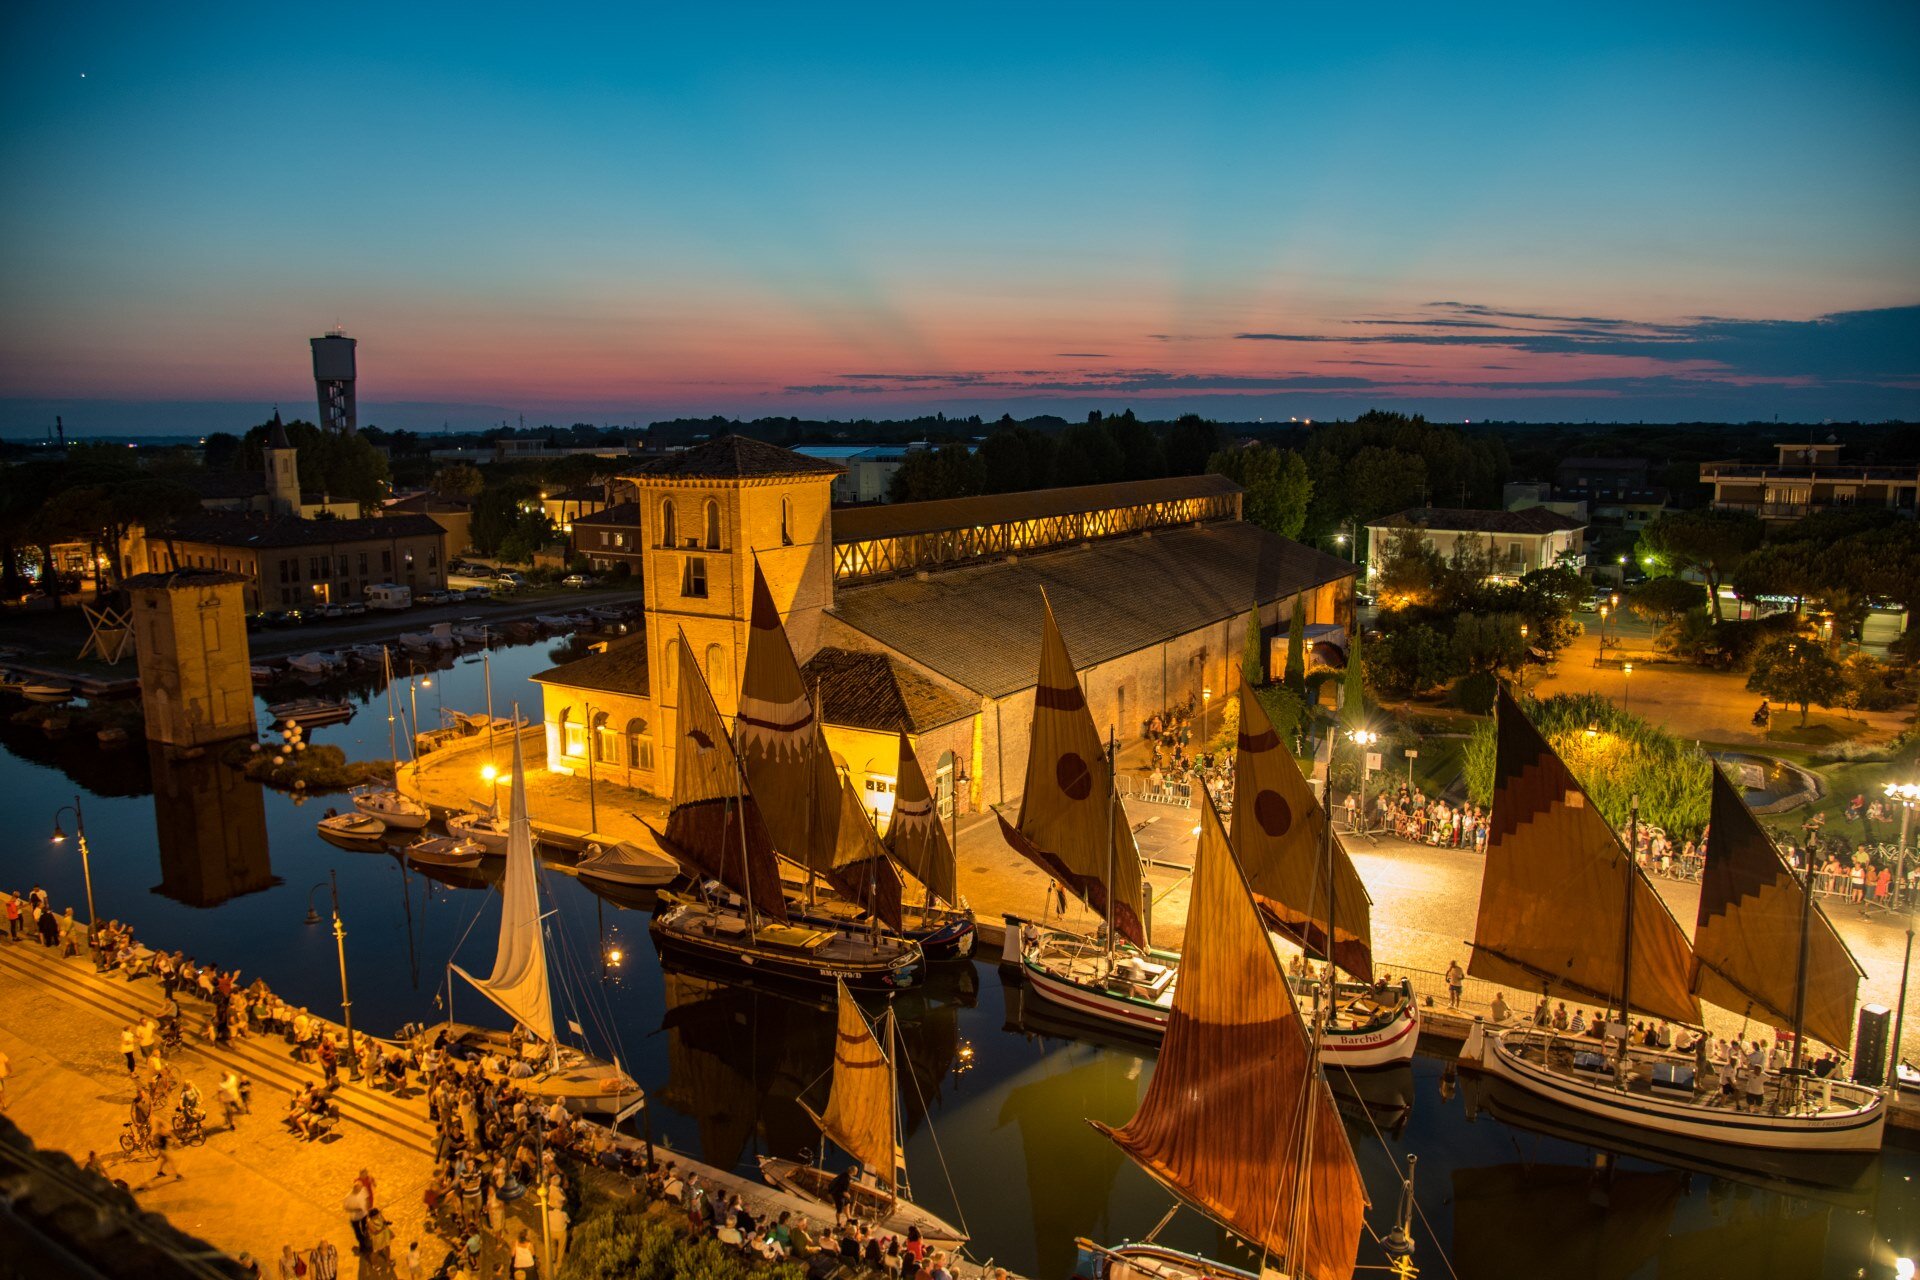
<point x="190" y="1107"/>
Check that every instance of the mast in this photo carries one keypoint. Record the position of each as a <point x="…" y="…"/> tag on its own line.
<point x="393" y="741"/>
<point x="486" y="667"/>
<point x="1109" y="877"/>
<point x="1326" y="841"/>
<point x="901" y="1191"/>
<point x="1626" y="950"/>
<point x="813" y="765"/>
<point x="740" y="822"/>
<point x="1800" y="972"/>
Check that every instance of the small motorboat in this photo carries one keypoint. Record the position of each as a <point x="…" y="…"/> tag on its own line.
<point x="625" y="862"/>
<point x="419" y="642"/>
<point x="315" y="664"/>
<point x="263" y="674"/>
<point x="52" y="691"/>
<point x="488" y="830"/>
<point x="554" y="621"/>
<point x="311" y="713"/>
<point x="355" y="830"/>
<point x="445" y="852"/>
<point x="366" y="655"/>
<point x="392" y="808"/>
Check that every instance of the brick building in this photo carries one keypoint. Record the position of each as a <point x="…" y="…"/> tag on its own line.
<point x="290" y="563"/>
<point x="926" y="616"/>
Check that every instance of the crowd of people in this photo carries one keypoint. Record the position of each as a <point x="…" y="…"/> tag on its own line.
<point x="1659" y="855"/>
<point x="1175" y="771"/>
<point x="1406" y="812"/>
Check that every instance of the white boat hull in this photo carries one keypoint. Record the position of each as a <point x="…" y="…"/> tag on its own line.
<point x="649" y="875"/>
<point x="1842" y="1127"/>
<point x="467" y="827"/>
<point x="865" y="1201"/>
<point x="411" y="817"/>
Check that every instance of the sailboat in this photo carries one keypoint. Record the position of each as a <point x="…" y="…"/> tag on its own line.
<point x="863" y="1119"/>
<point x="520" y="987"/>
<point x="1566" y="911"/>
<point x="1238" y="1121"/>
<point x="716" y="830"/>
<point x="389" y="804"/>
<point x="1290" y="855"/>
<point x="1071" y="825"/>
<point x="917" y="840"/>
<point x="790" y="770"/>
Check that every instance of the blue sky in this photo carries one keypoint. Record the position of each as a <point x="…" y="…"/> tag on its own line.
<point x="1619" y="211"/>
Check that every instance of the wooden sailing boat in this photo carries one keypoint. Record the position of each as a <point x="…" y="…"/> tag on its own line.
<point x="863" y="1119"/>
<point x="1238" y="1120"/>
<point x="717" y="831"/>
<point x="917" y="840"/>
<point x="1291" y="858"/>
<point x="1565" y="910"/>
<point x="389" y="804"/>
<point x="1072" y="826"/>
<point x="519" y="985"/>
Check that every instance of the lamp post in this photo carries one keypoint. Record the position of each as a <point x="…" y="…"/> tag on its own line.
<point x="593" y="744"/>
<point x="960" y="780"/>
<point x="86" y="863"/>
<point x="1364" y="738"/>
<point x="332" y="885"/>
<point x="1908" y="794"/>
<point x="1206" y="701"/>
<point x="490" y="775"/>
<point x="1626" y="686"/>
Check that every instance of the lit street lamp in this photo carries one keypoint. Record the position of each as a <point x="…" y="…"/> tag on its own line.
<point x="1206" y="701"/>
<point x="1626" y="686"/>
<point x="1603" y="626"/>
<point x="1907" y="793"/>
<point x="332" y="884"/>
<point x="491" y="776"/>
<point x="1364" y="738"/>
<point x="86" y="864"/>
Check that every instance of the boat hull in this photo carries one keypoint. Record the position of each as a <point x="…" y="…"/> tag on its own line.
<point x="1848" y="1128"/>
<point x="1156" y="1262"/>
<point x="638" y="875"/>
<point x="1383" y="1042"/>
<point x="397" y="818"/>
<point x="866" y="1202"/>
<point x="688" y="929"/>
<point x="944" y="938"/>
<point x="583" y="1083"/>
<point x="465" y="827"/>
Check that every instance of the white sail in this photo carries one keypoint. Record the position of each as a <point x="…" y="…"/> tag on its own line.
<point x="518" y="983"/>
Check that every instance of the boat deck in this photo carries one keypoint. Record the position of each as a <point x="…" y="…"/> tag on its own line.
<point x="836" y="946"/>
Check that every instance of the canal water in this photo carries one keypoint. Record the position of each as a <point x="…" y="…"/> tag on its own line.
<point x="197" y="857"/>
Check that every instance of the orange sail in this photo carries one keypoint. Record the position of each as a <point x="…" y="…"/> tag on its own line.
<point x="861" y="871"/>
<point x="916" y="837"/>
<point x="788" y="765"/>
<point x="1553" y="897"/>
<point x="1279" y="835"/>
<point x="714" y="827"/>
<point x="860" y="1107"/>
<point x="1238" y="1120"/>
<point x="1071" y="822"/>
<point x="1746" y="940"/>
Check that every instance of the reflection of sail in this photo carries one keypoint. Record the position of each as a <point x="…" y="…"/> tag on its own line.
<point x="212" y="827"/>
<point x="1070" y="1180"/>
<point x="1566" y="1221"/>
<point x="927" y="1038"/>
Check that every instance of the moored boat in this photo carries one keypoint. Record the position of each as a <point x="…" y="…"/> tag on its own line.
<point x="311" y="713"/>
<point x="315" y="664"/>
<point x="392" y="807"/>
<point x="624" y="862"/>
<point x="355" y="830"/>
<point x="488" y="830"/>
<point x="48" y="691"/>
<point x="445" y="852"/>
<point x="1565" y="909"/>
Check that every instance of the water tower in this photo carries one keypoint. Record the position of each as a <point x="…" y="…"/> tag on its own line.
<point x="333" y="378"/>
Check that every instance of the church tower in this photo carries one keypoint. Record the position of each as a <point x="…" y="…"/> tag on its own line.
<point x="283" y="470"/>
<point x="706" y="515"/>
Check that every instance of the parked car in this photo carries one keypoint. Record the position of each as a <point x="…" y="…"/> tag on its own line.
<point x="355" y="608"/>
<point x="576" y="580"/>
<point x="431" y="597"/>
<point x="478" y="593"/>
<point x="511" y="580"/>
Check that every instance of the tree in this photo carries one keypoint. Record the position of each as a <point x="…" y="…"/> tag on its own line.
<point x="1713" y="543"/>
<point x="1485" y="643"/>
<point x="459" y="480"/>
<point x="1409" y="569"/>
<point x="1797" y="671"/>
<point x="1296" y="674"/>
<point x="1253" y="657"/>
<point x="1665" y="600"/>
<point x="1190" y="443"/>
<point x="1278" y="487"/>
<point x="346" y="467"/>
<point x="1355" y="698"/>
<point x="951" y="471"/>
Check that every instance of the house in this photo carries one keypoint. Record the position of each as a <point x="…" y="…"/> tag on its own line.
<point x="290" y="563"/>
<point x="1520" y="541"/>
<point x="1806" y="478"/>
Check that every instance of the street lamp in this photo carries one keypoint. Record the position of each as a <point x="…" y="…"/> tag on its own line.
<point x="1626" y="686"/>
<point x="1206" y="701"/>
<point x="1364" y="738"/>
<point x="1908" y="794"/>
<point x="491" y="776"/>
<point x="1603" y="626"/>
<point x="332" y="885"/>
<point x="86" y="863"/>
<point x="593" y="745"/>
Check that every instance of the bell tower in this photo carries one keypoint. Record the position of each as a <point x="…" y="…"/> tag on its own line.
<point x="283" y="470"/>
<point x="706" y="515"/>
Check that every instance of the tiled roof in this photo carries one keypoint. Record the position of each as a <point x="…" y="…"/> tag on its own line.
<point x="1534" y="520"/>
<point x="862" y="690"/>
<point x="980" y="627"/>
<point x="236" y="530"/>
<point x="187" y="577"/>
<point x="862" y="524"/>
<point x="737" y="458"/>
<point x="622" y="668"/>
<point x="625" y="515"/>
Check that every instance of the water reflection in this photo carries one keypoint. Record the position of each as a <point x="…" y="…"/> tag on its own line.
<point x="211" y="821"/>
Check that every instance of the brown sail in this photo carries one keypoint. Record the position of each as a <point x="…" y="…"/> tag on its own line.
<point x="1238" y="1119"/>
<point x="916" y="837"/>
<point x="711" y="803"/>
<point x="788" y="765"/>
<point x="861" y="871"/>
<point x="1746" y="940"/>
<point x="1553" y="896"/>
<point x="859" y="1114"/>
<point x="1071" y="822"/>
<point x="1279" y="834"/>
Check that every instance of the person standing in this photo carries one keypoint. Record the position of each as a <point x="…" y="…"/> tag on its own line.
<point x="523" y="1260"/>
<point x="129" y="1046"/>
<point x="230" y="1103"/>
<point x="13" y="917"/>
<point x="325" y="1261"/>
<point x="6" y="1071"/>
<point x="356" y="1210"/>
<point x="1456" y="983"/>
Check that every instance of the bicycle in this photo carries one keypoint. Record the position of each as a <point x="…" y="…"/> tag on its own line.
<point x="137" y="1141"/>
<point x="189" y="1128"/>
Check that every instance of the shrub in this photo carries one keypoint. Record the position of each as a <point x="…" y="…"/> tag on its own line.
<point x="624" y="1241"/>
<point x="1409" y="661"/>
<point x="1474" y="693"/>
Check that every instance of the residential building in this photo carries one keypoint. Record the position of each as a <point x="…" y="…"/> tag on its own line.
<point x="869" y="469"/>
<point x="289" y="563"/>
<point x="455" y="515"/>
<point x="925" y="617"/>
<point x="1616" y="491"/>
<point x="610" y="538"/>
<point x="1520" y="541"/>
<point x="1806" y="478"/>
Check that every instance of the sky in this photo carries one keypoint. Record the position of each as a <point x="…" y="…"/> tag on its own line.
<point x="1607" y="212"/>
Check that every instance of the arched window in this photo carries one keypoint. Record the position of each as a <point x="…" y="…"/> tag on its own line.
<point x="786" y="522"/>
<point x="639" y="745"/>
<point x="667" y="536"/>
<point x="670" y="661"/>
<point x="713" y="525"/>
<point x="716" y="667"/>
<point x="573" y="734"/>
<point x="606" y="742"/>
